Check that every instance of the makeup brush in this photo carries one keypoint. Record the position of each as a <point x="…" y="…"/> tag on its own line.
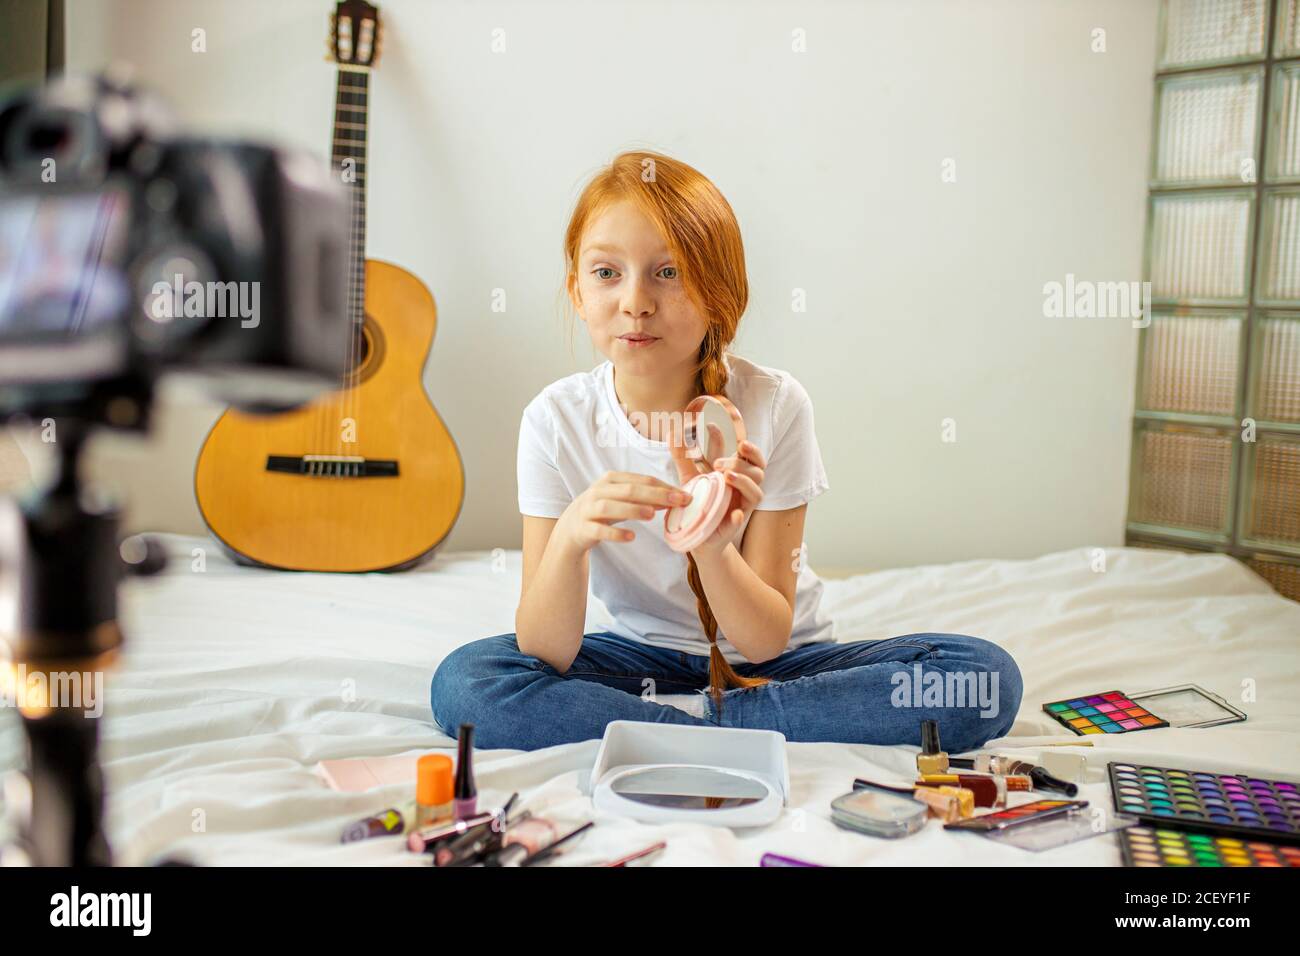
<point x="545" y="852"/>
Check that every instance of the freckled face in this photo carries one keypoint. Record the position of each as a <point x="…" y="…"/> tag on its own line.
<point x="629" y="292"/>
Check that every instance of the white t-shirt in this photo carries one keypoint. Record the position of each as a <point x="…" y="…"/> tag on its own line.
<point x="575" y="430"/>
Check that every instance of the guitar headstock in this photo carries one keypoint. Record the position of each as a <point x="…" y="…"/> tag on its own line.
<point x="355" y="34"/>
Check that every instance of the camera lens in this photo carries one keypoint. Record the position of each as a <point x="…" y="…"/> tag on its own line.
<point x="172" y="287"/>
<point x="34" y="139"/>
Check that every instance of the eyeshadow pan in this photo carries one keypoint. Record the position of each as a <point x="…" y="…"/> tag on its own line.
<point x="1224" y="804"/>
<point x="1150" y="846"/>
<point x="1107" y="713"/>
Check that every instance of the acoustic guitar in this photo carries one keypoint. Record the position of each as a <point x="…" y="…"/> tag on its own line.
<point x="368" y="477"/>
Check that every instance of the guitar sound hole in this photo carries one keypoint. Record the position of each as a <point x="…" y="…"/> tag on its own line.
<point x="367" y="352"/>
<point x="360" y="349"/>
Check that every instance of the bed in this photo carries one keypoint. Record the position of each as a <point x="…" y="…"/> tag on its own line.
<point x="236" y="682"/>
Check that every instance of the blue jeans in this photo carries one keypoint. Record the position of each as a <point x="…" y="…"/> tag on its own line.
<point x="863" y="692"/>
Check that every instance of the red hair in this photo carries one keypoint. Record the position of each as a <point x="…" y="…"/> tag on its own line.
<point x="701" y="232"/>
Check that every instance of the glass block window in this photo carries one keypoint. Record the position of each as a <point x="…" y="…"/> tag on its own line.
<point x="1207" y="127"/>
<point x="1275" y="396"/>
<point x="1216" y="440"/>
<point x="1200" y="247"/>
<point x="1283" y="575"/>
<point x="1190" y="363"/>
<point x="1279" y="246"/>
<point x="1272" y="517"/>
<point x="1287" y="42"/>
<point x="1284" y="157"/>
<point x="1185" y="480"/>
<point x="1202" y="32"/>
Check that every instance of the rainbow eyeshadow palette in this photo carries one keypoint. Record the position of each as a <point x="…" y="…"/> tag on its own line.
<point x="1145" y="846"/>
<point x="1226" y="803"/>
<point x="1107" y="713"/>
<point x="1016" y="816"/>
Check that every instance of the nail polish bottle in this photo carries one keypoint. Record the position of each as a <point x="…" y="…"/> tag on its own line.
<point x="931" y="759"/>
<point x="433" y="790"/>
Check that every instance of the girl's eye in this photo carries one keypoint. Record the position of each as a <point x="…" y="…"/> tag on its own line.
<point x="605" y="272"/>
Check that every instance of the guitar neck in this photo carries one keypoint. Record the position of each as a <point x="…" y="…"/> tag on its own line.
<point x="351" y="119"/>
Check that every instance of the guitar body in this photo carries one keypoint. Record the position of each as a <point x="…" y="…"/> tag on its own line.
<point x="367" y="478"/>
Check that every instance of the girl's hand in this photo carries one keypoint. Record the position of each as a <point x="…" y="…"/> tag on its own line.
<point x="744" y="473"/>
<point x="614" y="496"/>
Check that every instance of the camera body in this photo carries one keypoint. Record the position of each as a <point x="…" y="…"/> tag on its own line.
<point x="127" y="250"/>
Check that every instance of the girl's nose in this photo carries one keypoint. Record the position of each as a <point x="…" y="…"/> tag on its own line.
<point x="636" y="299"/>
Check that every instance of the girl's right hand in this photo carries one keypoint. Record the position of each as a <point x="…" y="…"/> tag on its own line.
<point x="615" y="496"/>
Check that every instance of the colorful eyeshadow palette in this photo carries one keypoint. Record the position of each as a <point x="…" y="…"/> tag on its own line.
<point x="1226" y="803"/>
<point x="1147" y="846"/>
<point x="1016" y="816"/>
<point x="1108" y="713"/>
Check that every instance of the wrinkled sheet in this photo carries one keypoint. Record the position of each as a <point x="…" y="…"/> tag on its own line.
<point x="236" y="682"/>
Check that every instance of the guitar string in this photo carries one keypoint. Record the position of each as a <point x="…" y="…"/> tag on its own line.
<point x="354" y="265"/>
<point x="359" y="312"/>
<point x="362" y="186"/>
<point x="324" y="409"/>
<point x="333" y="403"/>
<point x="330" y="406"/>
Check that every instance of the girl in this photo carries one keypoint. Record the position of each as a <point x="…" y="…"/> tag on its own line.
<point x="656" y="271"/>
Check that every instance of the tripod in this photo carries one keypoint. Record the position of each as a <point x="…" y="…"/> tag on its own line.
<point x="67" y="630"/>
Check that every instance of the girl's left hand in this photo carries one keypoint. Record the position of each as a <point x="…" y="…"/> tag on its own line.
<point x="744" y="473"/>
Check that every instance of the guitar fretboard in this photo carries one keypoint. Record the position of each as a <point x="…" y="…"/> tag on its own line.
<point x="351" y="113"/>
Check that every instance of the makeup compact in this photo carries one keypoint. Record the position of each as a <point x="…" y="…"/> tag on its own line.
<point x="679" y="773"/>
<point x="711" y="428"/>
<point x="877" y="813"/>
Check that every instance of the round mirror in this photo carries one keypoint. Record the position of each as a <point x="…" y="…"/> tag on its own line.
<point x="686" y="787"/>
<point x="710" y="431"/>
<point x="711" y="428"/>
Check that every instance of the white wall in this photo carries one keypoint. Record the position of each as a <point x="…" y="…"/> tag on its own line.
<point x="924" y="297"/>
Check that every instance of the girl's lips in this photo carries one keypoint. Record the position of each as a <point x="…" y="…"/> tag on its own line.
<point x="638" y="343"/>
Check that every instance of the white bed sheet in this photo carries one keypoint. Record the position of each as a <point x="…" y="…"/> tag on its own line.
<point x="236" y="682"/>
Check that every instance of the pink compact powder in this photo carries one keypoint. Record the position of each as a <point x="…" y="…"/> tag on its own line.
<point x="686" y="527"/>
